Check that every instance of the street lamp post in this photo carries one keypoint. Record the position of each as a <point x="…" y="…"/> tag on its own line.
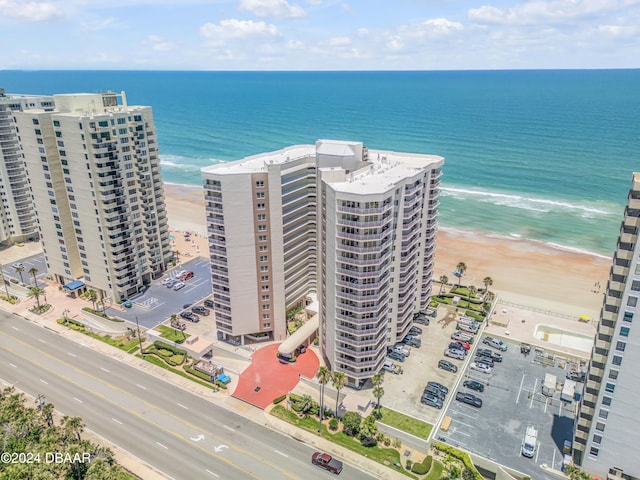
<point x="4" y="280"/>
<point x="139" y="337"/>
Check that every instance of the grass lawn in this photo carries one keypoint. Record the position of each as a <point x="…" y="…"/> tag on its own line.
<point x="405" y="423"/>
<point x="436" y="471"/>
<point x="156" y="361"/>
<point x="119" y="342"/>
<point x="171" y="333"/>
<point x="385" y="456"/>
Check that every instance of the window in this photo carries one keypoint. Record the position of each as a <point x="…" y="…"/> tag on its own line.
<point x="265" y="288"/>
<point x="632" y="301"/>
<point x="624" y="331"/>
<point x="594" y="451"/>
<point x="262" y="228"/>
<point x="264" y="268"/>
<point x="260" y="195"/>
<point x="262" y="238"/>
<point x="610" y="387"/>
<point x="603" y="413"/>
<point x="613" y="374"/>
<point x="260" y="184"/>
<point x="264" y="278"/>
<point x="597" y="439"/>
<point x="617" y="360"/>
<point x="265" y="298"/>
<point x="620" y="346"/>
<point x="600" y="426"/>
<point x="263" y="248"/>
<point x="35" y="121"/>
<point x="266" y="325"/>
<point x="266" y="306"/>
<point x="56" y="123"/>
<point x="635" y="285"/>
<point x="262" y="217"/>
<point x="606" y="401"/>
<point x="264" y="258"/>
<point x="260" y="206"/>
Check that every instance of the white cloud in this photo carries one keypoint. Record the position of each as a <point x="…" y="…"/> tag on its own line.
<point x="233" y="29"/>
<point x="158" y="44"/>
<point x="272" y="8"/>
<point x="540" y="11"/>
<point x="30" y="11"/>
<point x="339" y="41"/>
<point x="442" y="26"/>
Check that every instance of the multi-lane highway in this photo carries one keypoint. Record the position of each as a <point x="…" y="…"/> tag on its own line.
<point x="178" y="433"/>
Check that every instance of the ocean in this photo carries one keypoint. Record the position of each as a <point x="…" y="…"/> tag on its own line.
<point x="545" y="155"/>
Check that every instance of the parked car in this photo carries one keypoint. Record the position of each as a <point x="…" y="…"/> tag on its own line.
<point x="201" y="310"/>
<point x="448" y="366"/>
<point x="186" y="315"/>
<point x="495" y="343"/>
<point x="180" y="273"/>
<point x="469" y="399"/>
<point x="436" y="392"/>
<point x="439" y="386"/>
<point x="186" y="305"/>
<point x="208" y="303"/>
<point x="416" y="329"/>
<point x="401" y="348"/>
<point x="431" y="401"/>
<point x="457" y="346"/>
<point x="485" y="352"/>
<point x="299" y="351"/>
<point x="179" y="286"/>
<point x="454" y="353"/>
<point x="389" y="366"/>
<point x="481" y="367"/>
<point x="462" y="336"/>
<point x="412" y="342"/>
<point x="396" y="356"/>
<point x="465" y="345"/>
<point x="166" y="280"/>
<point x="186" y="276"/>
<point x="422" y="320"/>
<point x="485" y="360"/>
<point x="18" y="265"/>
<point x="171" y="283"/>
<point x="474" y="385"/>
<point x="194" y="318"/>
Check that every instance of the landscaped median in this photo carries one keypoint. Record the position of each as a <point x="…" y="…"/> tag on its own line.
<point x="123" y="342"/>
<point x="361" y="434"/>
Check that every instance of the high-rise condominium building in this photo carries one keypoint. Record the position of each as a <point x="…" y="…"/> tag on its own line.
<point x="17" y="215"/>
<point x="95" y="178"/>
<point x="607" y="433"/>
<point x="353" y="225"/>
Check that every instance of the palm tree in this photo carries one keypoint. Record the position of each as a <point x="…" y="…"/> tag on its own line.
<point x="35" y="292"/>
<point x="323" y="376"/>
<point x="472" y="291"/>
<point x="93" y="296"/>
<point x="33" y="271"/>
<point x="305" y="404"/>
<point x="19" y="271"/>
<point x="460" y="269"/>
<point x="339" y="382"/>
<point x="488" y="281"/>
<point x="74" y="425"/>
<point x="378" y="392"/>
<point x="443" y="281"/>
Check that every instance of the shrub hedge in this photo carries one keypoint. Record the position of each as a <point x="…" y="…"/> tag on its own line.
<point x="161" y="345"/>
<point x="197" y="373"/>
<point x="428" y="460"/>
<point x="279" y="399"/>
<point x="419" y="469"/>
<point x="463" y="457"/>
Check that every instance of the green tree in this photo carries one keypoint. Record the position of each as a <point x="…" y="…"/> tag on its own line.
<point x="467" y="474"/>
<point x="472" y="292"/>
<point x="339" y="382"/>
<point x="19" y="271"/>
<point x="378" y="392"/>
<point x="306" y="405"/>
<point x="73" y="426"/>
<point x="35" y="292"/>
<point x="351" y="422"/>
<point x="91" y="295"/>
<point x="369" y="430"/>
<point x="461" y="268"/>
<point x="34" y="271"/>
<point x="488" y="281"/>
<point x="443" y="282"/>
<point x="323" y="376"/>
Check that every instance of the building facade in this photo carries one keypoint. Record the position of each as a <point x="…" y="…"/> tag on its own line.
<point x="354" y="226"/>
<point x="607" y="432"/>
<point x="95" y="179"/>
<point x="17" y="215"/>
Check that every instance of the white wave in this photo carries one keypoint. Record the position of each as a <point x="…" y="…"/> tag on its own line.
<point x="190" y="164"/>
<point x="543" y="205"/>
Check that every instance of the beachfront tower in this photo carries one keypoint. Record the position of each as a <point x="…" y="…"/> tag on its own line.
<point x="17" y="215"/>
<point x="95" y="179"/>
<point x="607" y="433"/>
<point x="335" y="221"/>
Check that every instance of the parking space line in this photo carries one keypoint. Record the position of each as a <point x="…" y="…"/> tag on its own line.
<point x="533" y="394"/>
<point x="520" y="389"/>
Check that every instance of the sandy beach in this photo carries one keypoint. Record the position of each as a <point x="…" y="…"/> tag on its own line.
<point x="523" y="272"/>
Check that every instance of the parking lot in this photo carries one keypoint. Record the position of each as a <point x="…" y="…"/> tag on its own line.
<point x="28" y="263"/>
<point x="512" y="400"/>
<point x="158" y="303"/>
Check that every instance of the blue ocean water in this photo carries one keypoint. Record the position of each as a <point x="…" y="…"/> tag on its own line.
<point x="546" y="155"/>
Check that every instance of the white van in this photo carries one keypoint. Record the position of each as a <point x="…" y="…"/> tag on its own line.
<point x="530" y="441"/>
<point x="401" y="348"/>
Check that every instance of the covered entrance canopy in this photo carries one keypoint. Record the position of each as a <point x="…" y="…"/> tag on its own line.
<point x="73" y="286"/>
<point x="300" y="335"/>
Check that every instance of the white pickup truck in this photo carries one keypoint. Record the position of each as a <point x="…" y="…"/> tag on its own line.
<point x="530" y="442"/>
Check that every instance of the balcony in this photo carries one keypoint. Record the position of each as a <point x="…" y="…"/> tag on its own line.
<point x="363" y="250"/>
<point x="362" y="224"/>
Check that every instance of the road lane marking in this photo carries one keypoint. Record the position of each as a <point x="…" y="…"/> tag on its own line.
<point x="141" y="386"/>
<point x="118" y="422"/>
<point x="15" y="328"/>
<point x="280" y="453"/>
<point x="78" y="400"/>
<point x="104" y="370"/>
<point x="228" y="428"/>
<point x="75" y="367"/>
<point x="163" y="446"/>
<point x="214" y="474"/>
<point x="71" y="354"/>
<point x="45" y="382"/>
<point x="41" y="340"/>
<point x="182" y="406"/>
<point x="11" y="364"/>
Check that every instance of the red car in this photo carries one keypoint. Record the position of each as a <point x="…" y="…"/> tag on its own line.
<point x="464" y="345"/>
<point x="186" y="276"/>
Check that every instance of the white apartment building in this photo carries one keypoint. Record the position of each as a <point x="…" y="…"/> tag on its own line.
<point x="366" y="239"/>
<point x="17" y="215"/>
<point x="607" y="432"/>
<point x="95" y="178"/>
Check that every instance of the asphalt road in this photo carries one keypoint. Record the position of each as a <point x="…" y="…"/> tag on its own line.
<point x="180" y="434"/>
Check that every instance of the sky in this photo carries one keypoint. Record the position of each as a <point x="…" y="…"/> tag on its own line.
<point x="319" y="34"/>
